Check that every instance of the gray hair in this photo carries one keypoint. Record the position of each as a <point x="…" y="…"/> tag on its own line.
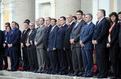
<point x="90" y="15"/>
<point x="32" y="23"/>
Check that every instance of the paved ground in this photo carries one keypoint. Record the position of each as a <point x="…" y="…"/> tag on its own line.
<point x="30" y="75"/>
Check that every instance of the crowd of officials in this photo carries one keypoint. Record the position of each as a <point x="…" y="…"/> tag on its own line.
<point x="54" y="47"/>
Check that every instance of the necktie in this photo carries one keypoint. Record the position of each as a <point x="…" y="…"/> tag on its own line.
<point x="25" y="31"/>
<point x="52" y="28"/>
<point x="61" y="27"/>
<point x="99" y="21"/>
<point x="28" y="36"/>
<point x="47" y="27"/>
<point x="69" y="26"/>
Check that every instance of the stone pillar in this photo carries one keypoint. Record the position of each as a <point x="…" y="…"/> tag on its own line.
<point x="24" y="9"/>
<point x="118" y="5"/>
<point x="65" y="7"/>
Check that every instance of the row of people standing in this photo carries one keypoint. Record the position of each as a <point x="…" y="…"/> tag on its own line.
<point x="54" y="49"/>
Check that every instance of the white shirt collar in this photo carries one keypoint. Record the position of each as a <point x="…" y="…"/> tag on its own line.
<point x="80" y="20"/>
<point x="89" y="22"/>
<point x="41" y="25"/>
<point x="64" y="25"/>
<point x="71" y="23"/>
<point x="101" y="18"/>
<point x="49" y="25"/>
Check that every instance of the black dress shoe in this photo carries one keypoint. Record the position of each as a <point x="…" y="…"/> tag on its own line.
<point x="53" y="72"/>
<point x="64" y="73"/>
<point x="75" y="74"/>
<point x="89" y="75"/>
<point x="59" y="73"/>
<point x="102" y="76"/>
<point x="84" y="75"/>
<point x="80" y="73"/>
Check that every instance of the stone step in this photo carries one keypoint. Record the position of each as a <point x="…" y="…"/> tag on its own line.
<point x="30" y="75"/>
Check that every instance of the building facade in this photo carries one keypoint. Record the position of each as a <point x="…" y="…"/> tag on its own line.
<point x="19" y="10"/>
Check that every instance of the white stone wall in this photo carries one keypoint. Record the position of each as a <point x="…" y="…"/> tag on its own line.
<point x="24" y="9"/>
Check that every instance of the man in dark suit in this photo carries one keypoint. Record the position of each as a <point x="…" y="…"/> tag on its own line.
<point x="99" y="40"/>
<point x="24" y="48"/>
<point x="13" y="46"/>
<point x="67" y="45"/>
<point x="63" y="68"/>
<point x="52" y="47"/>
<point x="31" y="48"/>
<point x="45" y="43"/>
<point x="1" y="47"/>
<point x="119" y="17"/>
<point x="87" y="46"/>
<point x="76" y="47"/>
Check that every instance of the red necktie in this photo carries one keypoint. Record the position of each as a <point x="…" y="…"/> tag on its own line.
<point x="69" y="26"/>
<point x="47" y="27"/>
<point x="61" y="27"/>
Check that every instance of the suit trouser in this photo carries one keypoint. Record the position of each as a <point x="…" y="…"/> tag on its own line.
<point x="35" y="58"/>
<point x="41" y="59"/>
<point x="30" y="53"/>
<point x="77" y="59"/>
<point x="87" y="56"/>
<point x="47" y="59"/>
<point x="25" y="59"/>
<point x="63" y="67"/>
<point x="54" y="61"/>
<point x="14" y="59"/>
<point x="1" y="60"/>
<point x="114" y="57"/>
<point x="120" y="60"/>
<point x="102" y="60"/>
<point x="69" y="59"/>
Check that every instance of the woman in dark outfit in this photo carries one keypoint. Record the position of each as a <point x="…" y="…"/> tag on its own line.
<point x="8" y="28"/>
<point x="113" y="44"/>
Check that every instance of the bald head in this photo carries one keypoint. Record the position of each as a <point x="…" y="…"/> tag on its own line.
<point x="69" y="18"/>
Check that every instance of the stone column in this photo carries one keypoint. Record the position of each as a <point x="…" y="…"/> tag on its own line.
<point x="65" y="7"/>
<point x="24" y="9"/>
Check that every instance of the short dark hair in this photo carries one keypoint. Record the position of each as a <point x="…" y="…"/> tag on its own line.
<point x="113" y="14"/>
<point x="79" y="11"/>
<point x="42" y="19"/>
<point x="119" y="12"/>
<point x="54" y="19"/>
<point x="75" y="17"/>
<point x="7" y="23"/>
<point x="14" y="22"/>
<point x="27" y="20"/>
<point x="49" y="18"/>
<point x="64" y="18"/>
<point x="103" y="11"/>
<point x="17" y="25"/>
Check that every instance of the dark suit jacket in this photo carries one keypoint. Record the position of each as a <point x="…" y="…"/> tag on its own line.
<point x="46" y="37"/>
<point x="31" y="37"/>
<point x="14" y="38"/>
<point x="114" y="34"/>
<point x="67" y="44"/>
<point x="120" y="36"/>
<point x="75" y="34"/>
<point x="53" y="38"/>
<point x="61" y="37"/>
<point x="1" y="40"/>
<point x="24" y="36"/>
<point x="101" y="33"/>
<point x="86" y="36"/>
